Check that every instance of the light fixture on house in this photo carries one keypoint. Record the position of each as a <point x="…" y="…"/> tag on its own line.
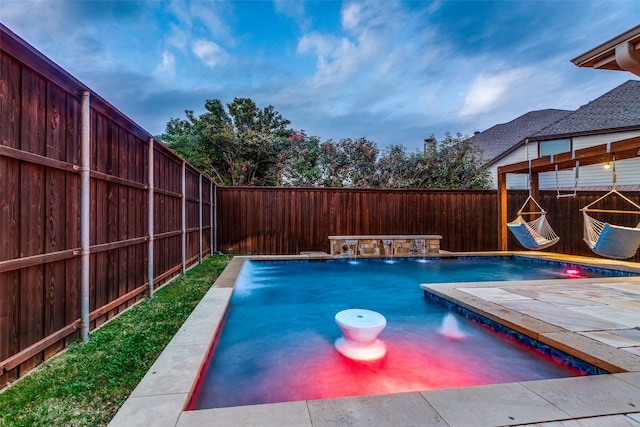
<point x="607" y="165"/>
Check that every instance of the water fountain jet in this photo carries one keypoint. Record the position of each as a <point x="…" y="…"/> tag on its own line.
<point x="450" y="328"/>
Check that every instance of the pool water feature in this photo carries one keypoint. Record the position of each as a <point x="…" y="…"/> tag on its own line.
<point x="277" y="343"/>
<point x="361" y="329"/>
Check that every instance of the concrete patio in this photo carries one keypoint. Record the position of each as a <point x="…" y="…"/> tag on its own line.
<point x="597" y="320"/>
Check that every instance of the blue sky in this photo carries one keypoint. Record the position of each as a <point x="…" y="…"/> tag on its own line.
<point x="392" y="72"/>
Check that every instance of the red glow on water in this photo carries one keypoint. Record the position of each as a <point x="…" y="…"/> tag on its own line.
<point x="573" y="272"/>
<point x="403" y="369"/>
<point x="409" y="365"/>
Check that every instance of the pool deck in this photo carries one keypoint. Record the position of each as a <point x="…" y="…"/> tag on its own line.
<point x="597" y="320"/>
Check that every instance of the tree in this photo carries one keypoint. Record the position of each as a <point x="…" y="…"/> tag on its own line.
<point x="455" y="163"/>
<point x="348" y="163"/>
<point x="240" y="145"/>
<point x="301" y="164"/>
<point x="397" y="169"/>
<point x="243" y="144"/>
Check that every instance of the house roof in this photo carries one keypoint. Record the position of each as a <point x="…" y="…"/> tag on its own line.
<point x="616" y="111"/>
<point x="499" y="140"/>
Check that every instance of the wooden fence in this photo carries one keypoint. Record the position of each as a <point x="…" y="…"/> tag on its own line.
<point x="258" y="220"/>
<point x="85" y="232"/>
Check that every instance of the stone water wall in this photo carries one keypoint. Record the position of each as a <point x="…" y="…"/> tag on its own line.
<point x="385" y="245"/>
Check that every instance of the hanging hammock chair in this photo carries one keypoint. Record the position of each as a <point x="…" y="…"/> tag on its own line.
<point x="536" y="234"/>
<point x="608" y="240"/>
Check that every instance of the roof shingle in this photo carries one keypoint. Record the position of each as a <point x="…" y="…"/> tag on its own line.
<point x="501" y="139"/>
<point x="616" y="110"/>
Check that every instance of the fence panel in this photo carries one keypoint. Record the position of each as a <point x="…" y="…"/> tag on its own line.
<point x="119" y="213"/>
<point x="192" y="211"/>
<point x="167" y="215"/>
<point x="255" y="220"/>
<point x="207" y="213"/>
<point x="276" y="221"/>
<point x="38" y="213"/>
<point x="40" y="198"/>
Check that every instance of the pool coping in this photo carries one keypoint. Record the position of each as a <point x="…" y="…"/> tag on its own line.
<point x="161" y="396"/>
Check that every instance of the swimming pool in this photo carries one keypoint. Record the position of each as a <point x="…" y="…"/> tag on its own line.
<point x="254" y="361"/>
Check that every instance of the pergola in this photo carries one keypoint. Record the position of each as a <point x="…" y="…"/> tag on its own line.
<point x="621" y="53"/>
<point x="624" y="149"/>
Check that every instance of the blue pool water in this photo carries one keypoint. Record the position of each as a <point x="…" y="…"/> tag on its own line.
<point x="277" y="343"/>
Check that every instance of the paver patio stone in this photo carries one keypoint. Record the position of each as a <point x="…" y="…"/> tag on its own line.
<point x="392" y="410"/>
<point x="611" y="338"/>
<point x="159" y="411"/>
<point x="588" y="396"/>
<point x="287" y="414"/>
<point x="606" y="421"/>
<point x="492" y="405"/>
<point x="173" y="372"/>
<point x="559" y="316"/>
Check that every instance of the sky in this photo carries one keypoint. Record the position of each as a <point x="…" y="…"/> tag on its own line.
<point x="394" y="72"/>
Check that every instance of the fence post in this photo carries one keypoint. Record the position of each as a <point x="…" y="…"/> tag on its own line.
<point x="85" y="213"/>
<point x="212" y="249"/>
<point x="200" y="217"/>
<point x="215" y="219"/>
<point x="502" y="211"/>
<point x="150" y="225"/>
<point x="184" y="219"/>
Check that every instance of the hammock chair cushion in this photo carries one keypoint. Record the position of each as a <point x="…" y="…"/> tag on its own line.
<point x="613" y="241"/>
<point x="529" y="233"/>
<point x="607" y="240"/>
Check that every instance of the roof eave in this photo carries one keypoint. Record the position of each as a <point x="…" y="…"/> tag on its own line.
<point x="603" y="56"/>
<point x="506" y="152"/>
<point x="547" y="137"/>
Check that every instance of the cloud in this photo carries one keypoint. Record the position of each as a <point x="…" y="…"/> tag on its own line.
<point x="50" y="25"/>
<point x="337" y="58"/>
<point x="487" y="92"/>
<point x="434" y="6"/>
<point x="385" y="70"/>
<point x="384" y="61"/>
<point x="317" y="43"/>
<point x="177" y="37"/>
<point x="370" y="45"/>
<point x="351" y="15"/>
<point x="295" y="10"/>
<point x="212" y="19"/>
<point x="168" y="64"/>
<point x="209" y="52"/>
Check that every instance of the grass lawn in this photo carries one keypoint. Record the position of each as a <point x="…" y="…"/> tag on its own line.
<point x="87" y="384"/>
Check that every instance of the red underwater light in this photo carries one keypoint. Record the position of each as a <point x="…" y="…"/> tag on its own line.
<point x="573" y="272"/>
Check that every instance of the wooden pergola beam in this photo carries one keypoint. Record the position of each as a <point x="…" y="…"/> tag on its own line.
<point x="623" y="149"/>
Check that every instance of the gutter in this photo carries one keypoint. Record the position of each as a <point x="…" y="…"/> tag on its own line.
<point x="627" y="59"/>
